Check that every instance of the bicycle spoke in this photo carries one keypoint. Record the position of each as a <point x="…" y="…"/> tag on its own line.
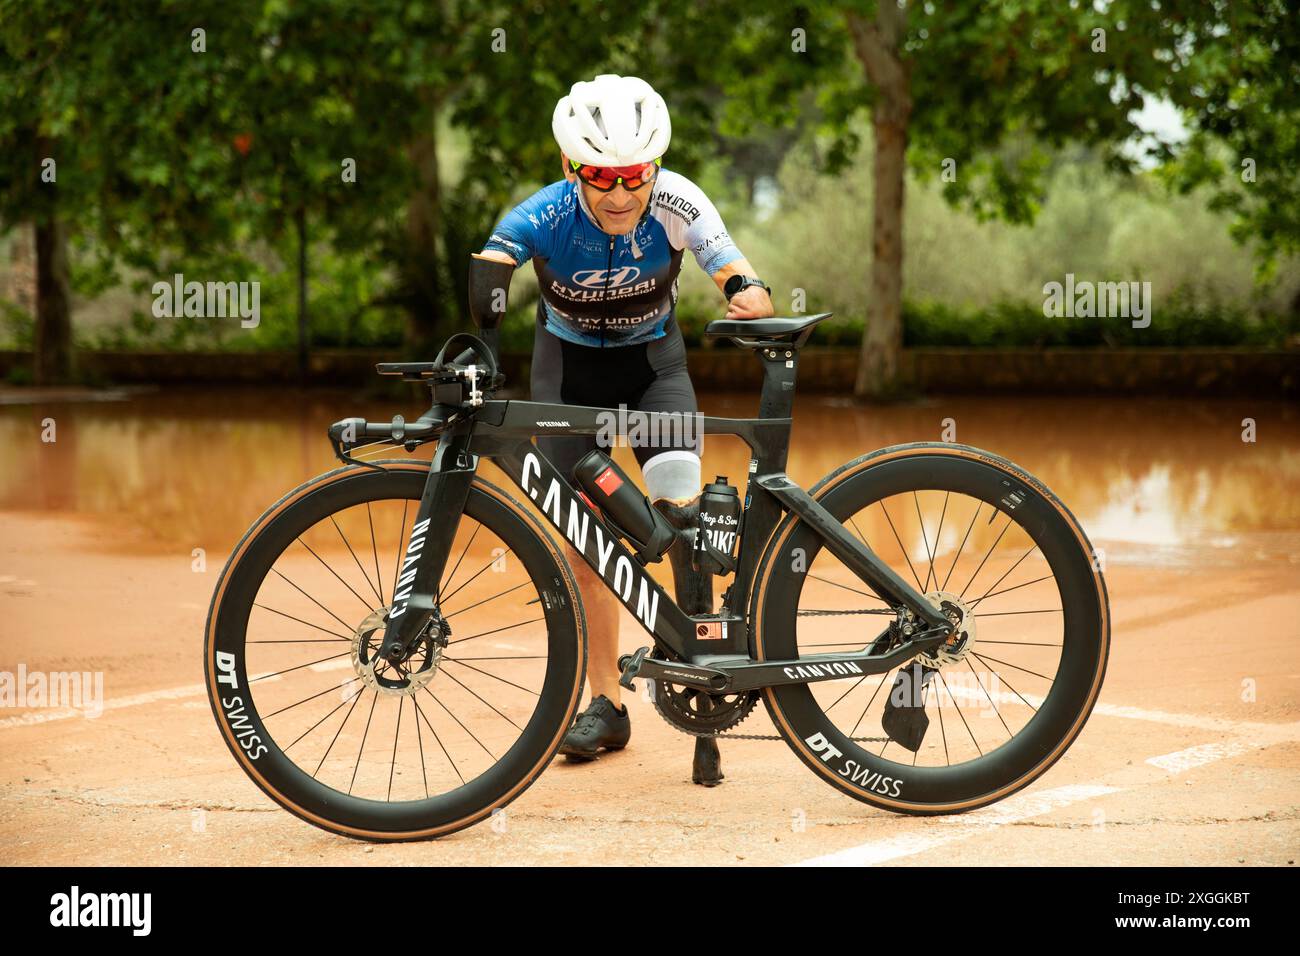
<point x="317" y="627"/>
<point x="392" y="769"/>
<point x="901" y="546"/>
<point x="419" y="737"/>
<point x="988" y="554"/>
<point x="364" y="602"/>
<point x="494" y="676"/>
<point x="401" y="550"/>
<point x="441" y="745"/>
<point x="938" y="535"/>
<point x="458" y="721"/>
<point x="374" y="549"/>
<point x="305" y="640"/>
<point x="962" y="547"/>
<point x="485" y="703"/>
<point x="1050" y="610"/>
<point x="975" y="673"/>
<point x="883" y="678"/>
<point x="297" y="667"/>
<point x="943" y="731"/>
<point x="1045" y="577"/>
<point x="471" y="580"/>
<point x="485" y="600"/>
<point x="313" y="601"/>
<point x="1005" y="575"/>
<point x="341" y="704"/>
<point x="870" y="594"/>
<point x="495" y="630"/>
<point x="985" y="640"/>
<point x="961" y="715"/>
<point x="846" y="693"/>
<point x="348" y="545"/>
<point x="327" y="690"/>
<point x="361" y="749"/>
<point x="924" y="540"/>
<point x="355" y="701"/>
<point x="456" y="567"/>
<point x="1009" y="664"/>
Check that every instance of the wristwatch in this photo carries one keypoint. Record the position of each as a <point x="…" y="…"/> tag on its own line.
<point x="737" y="283"/>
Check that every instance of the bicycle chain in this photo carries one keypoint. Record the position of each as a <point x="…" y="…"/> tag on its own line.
<point x="777" y="737"/>
<point x="727" y="736"/>
<point x="821" y="613"/>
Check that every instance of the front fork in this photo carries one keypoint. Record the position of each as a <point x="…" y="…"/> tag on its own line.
<point x="415" y="595"/>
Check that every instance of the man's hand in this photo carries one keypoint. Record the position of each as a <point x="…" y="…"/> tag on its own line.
<point x="750" y="303"/>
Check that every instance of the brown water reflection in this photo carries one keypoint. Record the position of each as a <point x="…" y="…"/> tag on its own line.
<point x="1160" y="478"/>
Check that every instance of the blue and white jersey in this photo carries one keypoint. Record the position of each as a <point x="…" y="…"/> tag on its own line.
<point x="599" y="289"/>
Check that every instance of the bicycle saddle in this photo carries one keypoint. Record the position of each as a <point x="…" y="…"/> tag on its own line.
<point x="793" y="330"/>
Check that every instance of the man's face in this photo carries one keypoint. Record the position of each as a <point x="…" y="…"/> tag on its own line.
<point x="617" y="211"/>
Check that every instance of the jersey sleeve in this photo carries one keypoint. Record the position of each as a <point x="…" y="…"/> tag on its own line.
<point x="527" y="230"/>
<point x="693" y="222"/>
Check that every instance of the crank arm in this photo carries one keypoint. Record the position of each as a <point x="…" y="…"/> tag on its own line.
<point x="674" y="672"/>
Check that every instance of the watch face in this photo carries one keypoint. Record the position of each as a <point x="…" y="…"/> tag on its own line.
<point x="734" y="285"/>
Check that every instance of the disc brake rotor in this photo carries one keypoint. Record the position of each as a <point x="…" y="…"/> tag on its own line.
<point x="405" y="678"/>
<point x="958" y="644"/>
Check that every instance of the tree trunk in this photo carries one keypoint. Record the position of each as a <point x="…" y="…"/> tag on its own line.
<point x="423" y="277"/>
<point x="53" y="359"/>
<point x="22" y="269"/>
<point x="877" y="46"/>
<point x="304" y="329"/>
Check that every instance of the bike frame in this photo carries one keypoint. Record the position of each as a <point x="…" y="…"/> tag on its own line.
<point x="711" y="651"/>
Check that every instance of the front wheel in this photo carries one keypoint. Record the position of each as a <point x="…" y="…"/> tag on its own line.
<point x="975" y="721"/>
<point x="335" y="735"/>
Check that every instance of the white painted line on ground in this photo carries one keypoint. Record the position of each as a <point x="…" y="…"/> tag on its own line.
<point x="1274" y="733"/>
<point x="117" y="703"/>
<point x="1022" y="806"/>
<point x="1192" y="757"/>
<point x="135" y="700"/>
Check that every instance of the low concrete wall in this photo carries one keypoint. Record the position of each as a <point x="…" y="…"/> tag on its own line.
<point x="934" y="370"/>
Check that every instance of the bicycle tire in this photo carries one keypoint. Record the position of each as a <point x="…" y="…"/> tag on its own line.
<point x="277" y="775"/>
<point x="1010" y="767"/>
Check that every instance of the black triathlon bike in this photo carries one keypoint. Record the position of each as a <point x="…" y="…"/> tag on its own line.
<point x="927" y="625"/>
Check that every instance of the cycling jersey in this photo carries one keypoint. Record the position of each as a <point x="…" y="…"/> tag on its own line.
<point x="603" y="290"/>
<point x="648" y="377"/>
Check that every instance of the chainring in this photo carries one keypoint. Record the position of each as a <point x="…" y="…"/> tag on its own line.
<point x="700" y="714"/>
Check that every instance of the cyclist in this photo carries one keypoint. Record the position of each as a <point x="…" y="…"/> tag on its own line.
<point x="606" y="243"/>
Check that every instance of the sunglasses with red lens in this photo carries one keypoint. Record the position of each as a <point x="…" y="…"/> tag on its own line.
<point x="605" y="178"/>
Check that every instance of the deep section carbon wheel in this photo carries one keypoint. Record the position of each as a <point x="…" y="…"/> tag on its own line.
<point x="381" y="750"/>
<point x="992" y="709"/>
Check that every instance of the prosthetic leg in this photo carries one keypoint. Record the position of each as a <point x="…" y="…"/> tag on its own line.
<point x="694" y="594"/>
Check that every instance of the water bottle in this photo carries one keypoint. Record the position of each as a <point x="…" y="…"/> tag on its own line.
<point x="623" y="505"/>
<point x="715" y="539"/>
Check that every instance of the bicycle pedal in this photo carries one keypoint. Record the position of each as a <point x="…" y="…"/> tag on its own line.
<point x="632" y="667"/>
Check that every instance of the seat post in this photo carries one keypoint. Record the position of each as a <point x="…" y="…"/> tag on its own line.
<point x="780" y="368"/>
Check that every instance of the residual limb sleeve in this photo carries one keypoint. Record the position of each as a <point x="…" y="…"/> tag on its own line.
<point x="489" y="290"/>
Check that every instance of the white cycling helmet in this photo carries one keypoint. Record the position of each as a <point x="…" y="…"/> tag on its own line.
<point x="612" y="121"/>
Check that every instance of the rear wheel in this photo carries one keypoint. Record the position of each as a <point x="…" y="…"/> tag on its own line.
<point x="335" y="737"/>
<point x="998" y="707"/>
